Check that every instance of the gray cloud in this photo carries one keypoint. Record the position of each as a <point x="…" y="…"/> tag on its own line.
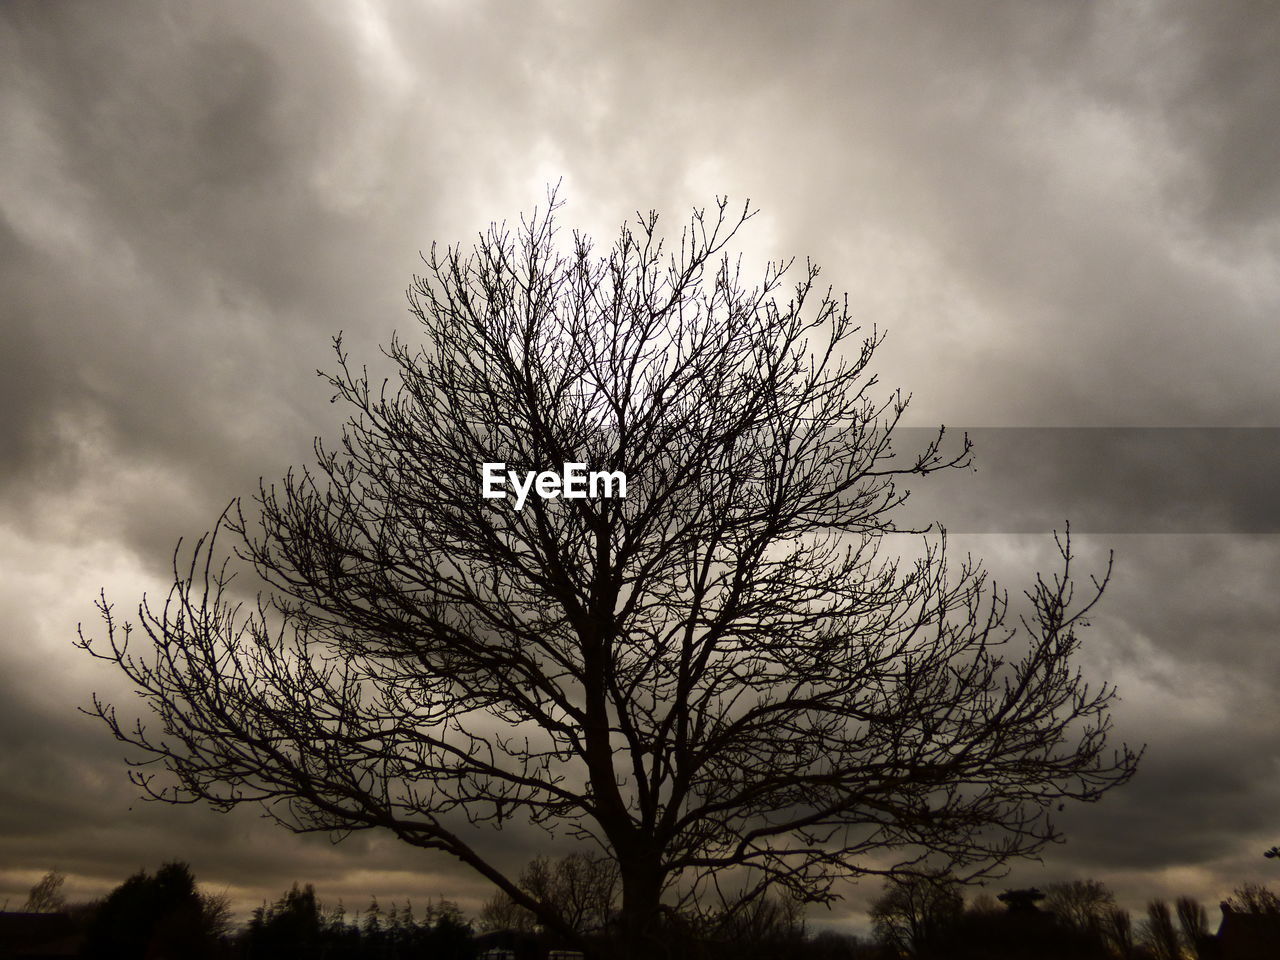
<point x="1101" y="480"/>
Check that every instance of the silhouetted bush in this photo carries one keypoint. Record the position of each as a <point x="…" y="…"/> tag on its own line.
<point x="157" y="917"/>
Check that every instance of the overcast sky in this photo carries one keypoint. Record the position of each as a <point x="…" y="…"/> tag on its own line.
<point x="1062" y="214"/>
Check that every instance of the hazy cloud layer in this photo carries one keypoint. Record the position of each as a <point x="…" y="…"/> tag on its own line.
<point x="1064" y="215"/>
<point x="1100" y="480"/>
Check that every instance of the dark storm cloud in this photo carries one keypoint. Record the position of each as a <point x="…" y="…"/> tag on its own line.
<point x="1103" y="480"/>
<point x="1216" y="784"/>
<point x="1220" y="93"/>
<point x="173" y="265"/>
<point x="1185" y="632"/>
<point x="33" y="386"/>
<point x="1064" y="214"/>
<point x="174" y="285"/>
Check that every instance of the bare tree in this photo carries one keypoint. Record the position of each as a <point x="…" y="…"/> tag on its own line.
<point x="1193" y="922"/>
<point x="766" y="926"/>
<point x="1117" y="932"/>
<point x="1253" y="898"/>
<point x="583" y="890"/>
<point x="1159" y="934"/>
<point x="1082" y="904"/>
<point x="46" y="895"/>
<point x="718" y="673"/>
<point x="500" y="912"/>
<point x="916" y="913"/>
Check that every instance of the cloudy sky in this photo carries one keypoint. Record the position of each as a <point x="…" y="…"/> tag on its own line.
<point x="1066" y="216"/>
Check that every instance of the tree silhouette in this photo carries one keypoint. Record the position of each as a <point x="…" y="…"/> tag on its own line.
<point x="718" y="680"/>
<point x="1193" y="925"/>
<point x="1117" y="933"/>
<point x="290" y="928"/>
<point x="765" y="927"/>
<point x="46" y="895"/>
<point x="1019" y="932"/>
<point x="447" y="934"/>
<point x="295" y="926"/>
<point x="1159" y="934"/>
<point x="160" y="915"/>
<point x="582" y="889"/>
<point x="1253" y="898"/>
<point x="1083" y="904"/>
<point x="915" y="914"/>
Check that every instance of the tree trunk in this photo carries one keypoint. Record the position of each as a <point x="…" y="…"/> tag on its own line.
<point x="643" y="935"/>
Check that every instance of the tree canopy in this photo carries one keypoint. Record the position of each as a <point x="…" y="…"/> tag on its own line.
<point x="723" y="681"/>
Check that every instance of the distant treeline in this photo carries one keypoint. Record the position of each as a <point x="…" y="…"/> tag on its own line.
<point x="165" y="916"/>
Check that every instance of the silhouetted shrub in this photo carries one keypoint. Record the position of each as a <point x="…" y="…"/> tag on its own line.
<point x="157" y="917"/>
